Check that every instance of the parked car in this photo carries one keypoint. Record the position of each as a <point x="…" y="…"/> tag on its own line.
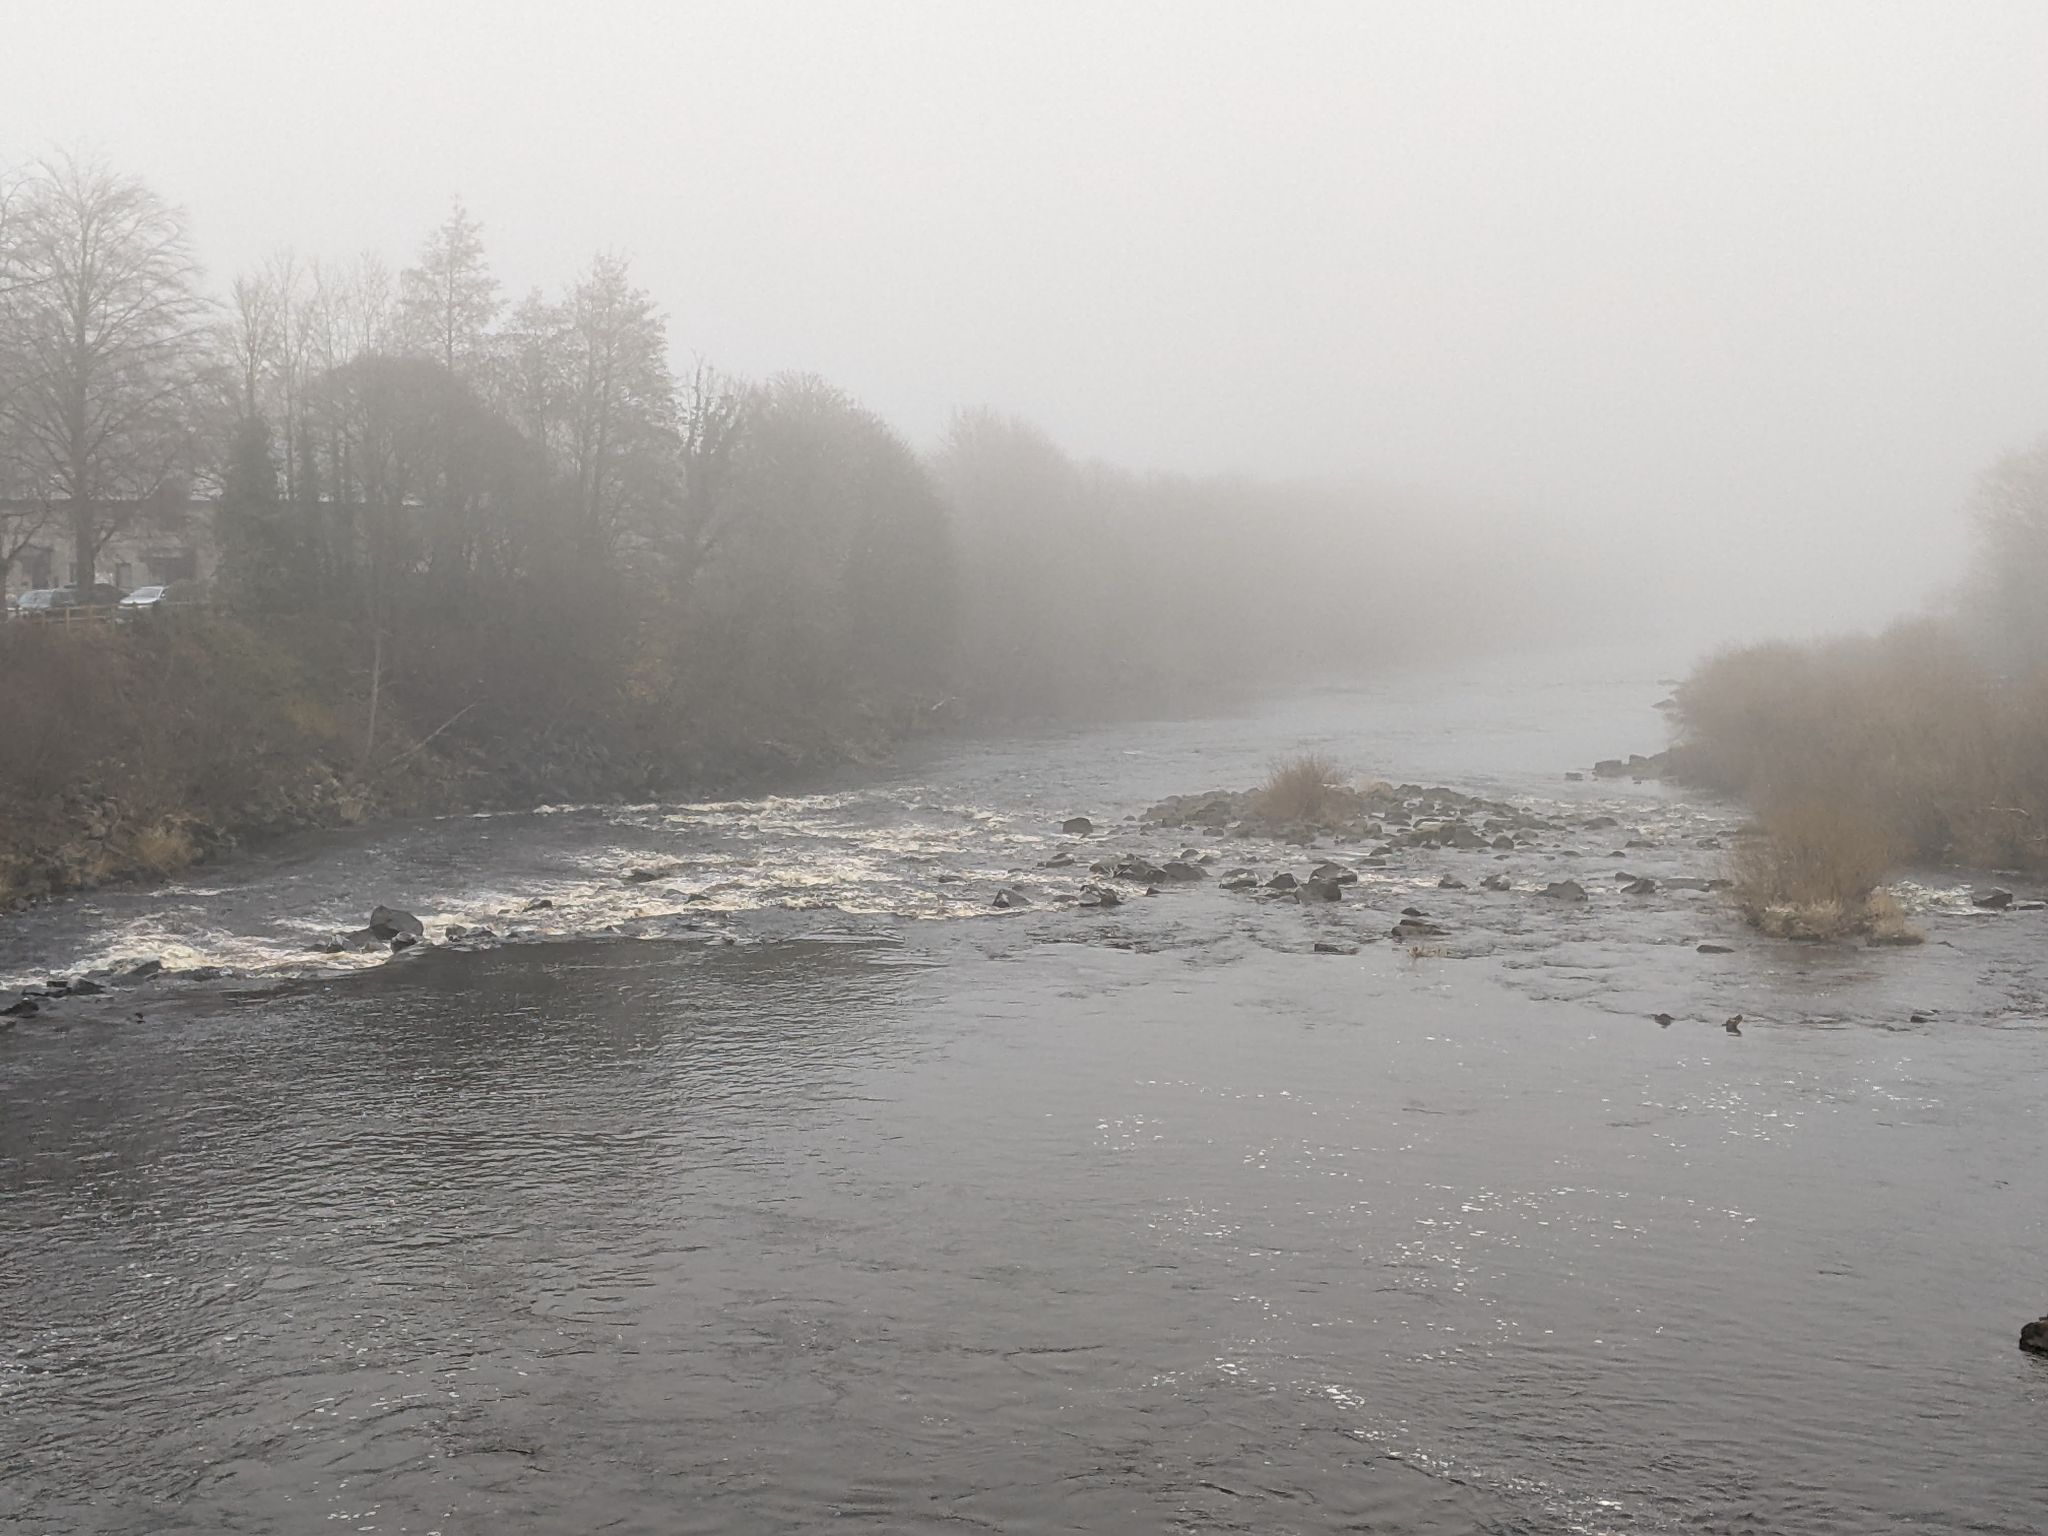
<point x="170" y="594"/>
<point x="60" y="602"/>
<point x="41" y="603"/>
<point x="142" y="600"/>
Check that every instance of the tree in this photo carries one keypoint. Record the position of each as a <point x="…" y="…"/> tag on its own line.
<point x="2010" y="512"/>
<point x="263" y="552"/>
<point x="103" y="332"/>
<point x="446" y="303"/>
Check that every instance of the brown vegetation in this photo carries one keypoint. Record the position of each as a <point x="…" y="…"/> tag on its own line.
<point x="1812" y="871"/>
<point x="1305" y="789"/>
<point x="1916" y="749"/>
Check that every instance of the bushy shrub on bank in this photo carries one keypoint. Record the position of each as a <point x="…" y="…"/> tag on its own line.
<point x="1863" y="754"/>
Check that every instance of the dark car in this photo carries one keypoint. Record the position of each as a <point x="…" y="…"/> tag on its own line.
<point x="65" y="602"/>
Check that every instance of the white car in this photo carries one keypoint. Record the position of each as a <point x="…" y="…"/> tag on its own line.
<point x="143" y="598"/>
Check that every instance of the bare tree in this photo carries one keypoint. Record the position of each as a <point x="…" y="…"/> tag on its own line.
<point x="706" y="504"/>
<point x="446" y="303"/>
<point x="105" y="331"/>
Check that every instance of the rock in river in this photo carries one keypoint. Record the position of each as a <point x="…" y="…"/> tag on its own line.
<point x="1316" y="889"/>
<point x="388" y="923"/>
<point x="1078" y="826"/>
<point x="1992" y="900"/>
<point x="1565" y="890"/>
<point x="2034" y="1337"/>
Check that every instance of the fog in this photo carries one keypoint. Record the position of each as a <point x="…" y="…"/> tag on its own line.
<point x="1728" y="305"/>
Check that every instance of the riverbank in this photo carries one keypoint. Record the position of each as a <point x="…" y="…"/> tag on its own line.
<point x="139" y="751"/>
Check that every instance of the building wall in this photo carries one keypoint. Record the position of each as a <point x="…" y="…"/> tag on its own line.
<point x="173" y="545"/>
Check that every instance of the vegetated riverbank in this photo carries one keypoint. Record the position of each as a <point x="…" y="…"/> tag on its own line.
<point x="136" y="750"/>
<point x="1863" y="754"/>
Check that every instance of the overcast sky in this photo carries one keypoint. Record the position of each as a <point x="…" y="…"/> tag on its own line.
<point x="1767" y="283"/>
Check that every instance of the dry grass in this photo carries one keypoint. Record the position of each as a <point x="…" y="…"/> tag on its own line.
<point x="1943" y="760"/>
<point x="162" y="848"/>
<point x="1305" y="788"/>
<point x="1812" y="871"/>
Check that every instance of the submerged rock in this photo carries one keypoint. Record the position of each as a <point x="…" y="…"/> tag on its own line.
<point x="1327" y="947"/>
<point x="1564" y="890"/>
<point x="1077" y="826"/>
<point x="21" y="1008"/>
<point x="1991" y="900"/>
<point x="1412" y="928"/>
<point x="1644" y="886"/>
<point x="1450" y="883"/>
<point x="1494" y="883"/>
<point x="1715" y="949"/>
<point x="1100" y="896"/>
<point x="1240" y="880"/>
<point x="1315" y="889"/>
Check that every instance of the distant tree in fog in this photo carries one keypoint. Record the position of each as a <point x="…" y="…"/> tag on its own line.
<point x="102" y="332"/>
<point x="588" y="379"/>
<point x="2010" y="514"/>
<point x="448" y="298"/>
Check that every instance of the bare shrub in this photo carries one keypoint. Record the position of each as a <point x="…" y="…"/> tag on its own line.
<point x="1812" y="871"/>
<point x="1306" y="787"/>
<point x="162" y="848"/>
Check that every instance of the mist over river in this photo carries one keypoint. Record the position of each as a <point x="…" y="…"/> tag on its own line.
<point x="756" y="1174"/>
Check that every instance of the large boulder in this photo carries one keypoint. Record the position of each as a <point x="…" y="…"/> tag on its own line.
<point x="388" y="923"/>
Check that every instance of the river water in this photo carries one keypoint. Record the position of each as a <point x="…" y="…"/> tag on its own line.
<point x="796" y="1187"/>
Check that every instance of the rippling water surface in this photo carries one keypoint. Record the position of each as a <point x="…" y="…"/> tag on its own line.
<point x="795" y="1188"/>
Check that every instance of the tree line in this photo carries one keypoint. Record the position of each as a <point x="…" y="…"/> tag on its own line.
<point x="519" y="511"/>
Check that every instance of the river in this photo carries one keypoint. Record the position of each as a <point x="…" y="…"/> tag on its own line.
<point x="796" y="1187"/>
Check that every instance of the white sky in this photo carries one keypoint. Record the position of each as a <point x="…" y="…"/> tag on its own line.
<point x="1765" y="284"/>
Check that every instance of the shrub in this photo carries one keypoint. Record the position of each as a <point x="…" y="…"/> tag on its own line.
<point x="1812" y="872"/>
<point x="1302" y="788"/>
